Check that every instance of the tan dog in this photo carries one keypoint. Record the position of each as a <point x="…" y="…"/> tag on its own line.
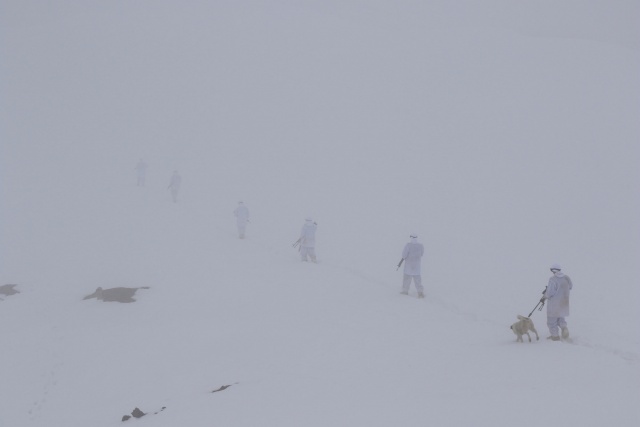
<point x="523" y="326"/>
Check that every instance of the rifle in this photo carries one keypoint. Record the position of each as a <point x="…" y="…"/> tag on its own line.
<point x="399" y="264"/>
<point x="542" y="300"/>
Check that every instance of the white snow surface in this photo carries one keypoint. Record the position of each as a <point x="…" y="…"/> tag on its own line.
<point x="504" y="133"/>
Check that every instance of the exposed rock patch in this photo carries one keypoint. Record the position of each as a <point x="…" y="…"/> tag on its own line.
<point x="8" y="290"/>
<point x="224" y="387"/>
<point x="123" y="295"/>
<point x="137" y="413"/>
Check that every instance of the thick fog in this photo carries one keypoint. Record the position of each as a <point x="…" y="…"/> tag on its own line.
<point x="508" y="134"/>
<point x="505" y="134"/>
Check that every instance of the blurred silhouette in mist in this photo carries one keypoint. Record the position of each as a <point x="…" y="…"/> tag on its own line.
<point x="242" y="218"/>
<point x="141" y="171"/>
<point x="174" y="186"/>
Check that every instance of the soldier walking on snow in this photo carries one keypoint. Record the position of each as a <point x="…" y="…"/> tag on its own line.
<point x="141" y="170"/>
<point x="242" y="218"/>
<point x="308" y="240"/>
<point x="174" y="186"/>
<point x="412" y="255"/>
<point x="557" y="297"/>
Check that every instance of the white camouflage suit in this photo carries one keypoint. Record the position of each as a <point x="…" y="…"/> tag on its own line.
<point x="242" y="217"/>
<point x="557" y="299"/>
<point x="308" y="240"/>
<point x="174" y="186"/>
<point x="141" y="169"/>
<point x="412" y="255"/>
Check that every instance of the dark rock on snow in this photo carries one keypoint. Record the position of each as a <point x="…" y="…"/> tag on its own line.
<point x="137" y="413"/>
<point x="8" y="290"/>
<point x="224" y="387"/>
<point x="124" y="295"/>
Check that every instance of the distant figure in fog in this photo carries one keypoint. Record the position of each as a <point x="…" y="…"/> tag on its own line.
<point x="557" y="296"/>
<point x="308" y="240"/>
<point x="141" y="171"/>
<point x="242" y="218"/>
<point x="174" y="185"/>
<point x="412" y="256"/>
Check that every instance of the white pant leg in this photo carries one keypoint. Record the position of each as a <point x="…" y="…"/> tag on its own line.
<point x="562" y="322"/>
<point x="417" y="280"/>
<point x="554" y="324"/>
<point x="307" y="251"/>
<point x="406" y="283"/>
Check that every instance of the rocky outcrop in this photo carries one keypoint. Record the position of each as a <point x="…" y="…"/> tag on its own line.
<point x="137" y="413"/>
<point x="8" y="290"/>
<point x="224" y="387"/>
<point x="123" y="295"/>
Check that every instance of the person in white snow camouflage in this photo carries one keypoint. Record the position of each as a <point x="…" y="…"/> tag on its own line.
<point x="174" y="185"/>
<point x="308" y="240"/>
<point x="412" y="256"/>
<point x="557" y="298"/>
<point x="141" y="169"/>
<point x="242" y="218"/>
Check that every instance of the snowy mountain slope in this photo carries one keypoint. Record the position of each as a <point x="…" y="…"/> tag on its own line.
<point x="506" y="143"/>
<point x="299" y="343"/>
